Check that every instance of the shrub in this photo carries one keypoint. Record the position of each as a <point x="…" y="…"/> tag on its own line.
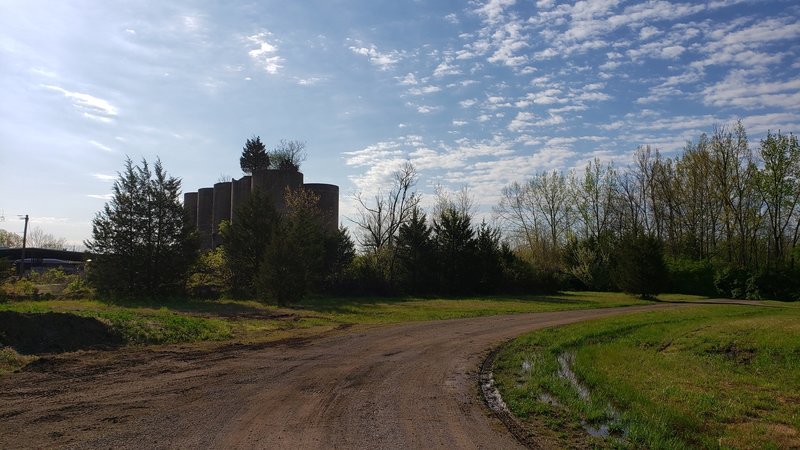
<point x="691" y="277"/>
<point x="640" y="267"/>
<point x="732" y="282"/>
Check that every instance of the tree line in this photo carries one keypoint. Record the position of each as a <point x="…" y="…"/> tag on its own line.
<point x="725" y="216"/>
<point x="719" y="218"/>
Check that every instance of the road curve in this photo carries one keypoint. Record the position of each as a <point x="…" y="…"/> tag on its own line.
<point x="410" y="385"/>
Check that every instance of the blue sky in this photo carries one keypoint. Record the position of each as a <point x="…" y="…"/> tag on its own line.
<point x="475" y="94"/>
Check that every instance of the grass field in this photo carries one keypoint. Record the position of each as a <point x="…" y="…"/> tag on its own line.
<point x="708" y="376"/>
<point x="249" y="321"/>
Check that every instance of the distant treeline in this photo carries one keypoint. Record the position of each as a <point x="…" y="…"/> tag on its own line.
<point x="720" y="218"/>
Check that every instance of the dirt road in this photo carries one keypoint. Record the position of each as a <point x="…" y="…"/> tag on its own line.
<point x="409" y="385"/>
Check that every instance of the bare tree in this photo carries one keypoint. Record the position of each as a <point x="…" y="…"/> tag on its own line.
<point x="594" y="197"/>
<point x="37" y="238"/>
<point x="779" y="187"/>
<point x="379" y="219"/>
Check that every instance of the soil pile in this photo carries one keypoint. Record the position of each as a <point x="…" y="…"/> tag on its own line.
<point x="30" y="334"/>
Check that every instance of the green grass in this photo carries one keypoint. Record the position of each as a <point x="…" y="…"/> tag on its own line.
<point x="175" y="321"/>
<point x="708" y="376"/>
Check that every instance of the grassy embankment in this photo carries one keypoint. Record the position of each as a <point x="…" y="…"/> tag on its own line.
<point x="249" y="321"/>
<point x="704" y="377"/>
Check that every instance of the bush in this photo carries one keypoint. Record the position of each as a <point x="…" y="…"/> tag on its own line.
<point x="732" y="282"/>
<point x="775" y="284"/>
<point x="640" y="267"/>
<point x="78" y="288"/>
<point x="211" y="276"/>
<point x="686" y="276"/>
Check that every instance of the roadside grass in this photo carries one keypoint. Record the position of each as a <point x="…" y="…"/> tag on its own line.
<point x="170" y="321"/>
<point x="709" y="376"/>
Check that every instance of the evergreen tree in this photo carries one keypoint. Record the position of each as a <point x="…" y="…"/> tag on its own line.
<point x="340" y="251"/>
<point x="455" y="245"/>
<point x="254" y="156"/>
<point x="246" y="241"/>
<point x="142" y="242"/>
<point x="416" y="254"/>
<point x="294" y="261"/>
<point x="488" y="263"/>
<point x="640" y="267"/>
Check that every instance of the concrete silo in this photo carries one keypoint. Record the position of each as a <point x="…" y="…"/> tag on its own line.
<point x="190" y="206"/>
<point x="221" y="210"/>
<point x="328" y="203"/>
<point x="205" y="207"/>
<point x="240" y="192"/>
<point x="273" y="183"/>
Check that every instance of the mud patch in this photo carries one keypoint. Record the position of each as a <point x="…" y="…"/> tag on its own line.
<point x="33" y="334"/>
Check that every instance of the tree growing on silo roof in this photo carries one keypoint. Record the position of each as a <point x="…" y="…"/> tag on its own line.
<point x="288" y="155"/>
<point x="254" y="156"/>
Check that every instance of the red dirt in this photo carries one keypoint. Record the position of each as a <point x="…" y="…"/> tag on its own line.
<point x="410" y="385"/>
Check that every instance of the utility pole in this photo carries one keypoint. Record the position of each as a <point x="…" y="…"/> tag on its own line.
<point x="24" y="239"/>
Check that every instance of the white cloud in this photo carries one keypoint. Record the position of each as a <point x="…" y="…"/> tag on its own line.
<point x="648" y="32"/>
<point x="90" y="106"/>
<point x="264" y="54"/>
<point x="468" y="102"/>
<point x="384" y="60"/>
<point x="739" y="89"/>
<point x="492" y="11"/>
<point x="424" y="90"/>
<point x="459" y="123"/>
<point x="424" y="109"/>
<point x="101" y="196"/>
<point x="409" y="80"/>
<point x="102" y="147"/>
<point x="444" y="69"/>
<point x="104" y="177"/>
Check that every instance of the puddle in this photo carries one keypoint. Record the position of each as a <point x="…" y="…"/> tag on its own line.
<point x="565" y="363"/>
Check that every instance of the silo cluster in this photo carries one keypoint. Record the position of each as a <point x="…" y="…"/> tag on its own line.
<point x="208" y="207"/>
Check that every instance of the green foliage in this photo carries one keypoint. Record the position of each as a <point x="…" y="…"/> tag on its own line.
<point x="589" y="261"/>
<point x="254" y="156"/>
<point x="488" y="259"/>
<point x="416" y="254"/>
<point x="246" y="240"/>
<point x="455" y="246"/>
<point x="340" y="251"/>
<point x="77" y="287"/>
<point x="142" y="242"/>
<point x="691" y="277"/>
<point x="6" y="270"/>
<point x="294" y="260"/>
<point x="687" y="378"/>
<point x="640" y="267"/>
<point x="211" y="275"/>
<point x="734" y="282"/>
<point x="288" y="155"/>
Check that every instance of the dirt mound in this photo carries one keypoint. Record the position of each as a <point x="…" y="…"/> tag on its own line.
<point x="29" y="333"/>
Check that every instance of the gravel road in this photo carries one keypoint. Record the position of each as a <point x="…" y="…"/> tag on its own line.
<point x="410" y="385"/>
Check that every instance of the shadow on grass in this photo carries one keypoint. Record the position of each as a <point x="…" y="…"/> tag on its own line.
<point x="352" y="304"/>
<point x="187" y="305"/>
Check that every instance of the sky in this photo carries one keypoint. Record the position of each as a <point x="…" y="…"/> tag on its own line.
<point x="475" y="94"/>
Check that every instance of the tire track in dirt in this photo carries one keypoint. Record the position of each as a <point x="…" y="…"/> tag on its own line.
<point x="410" y="385"/>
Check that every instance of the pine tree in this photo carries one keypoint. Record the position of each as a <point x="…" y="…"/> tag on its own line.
<point x="254" y="156"/>
<point x="455" y="244"/>
<point x="142" y="243"/>
<point x="415" y="254"/>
